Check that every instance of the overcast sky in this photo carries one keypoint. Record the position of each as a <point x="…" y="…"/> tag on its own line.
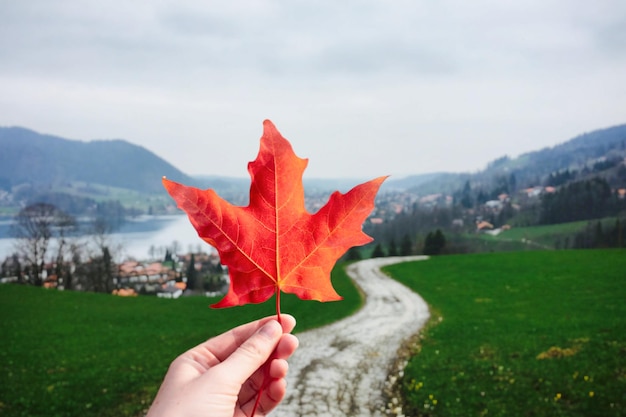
<point x="361" y="88"/>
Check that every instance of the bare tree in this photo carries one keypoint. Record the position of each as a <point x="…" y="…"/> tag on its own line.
<point x="66" y="226"/>
<point x="34" y="227"/>
<point x="97" y="273"/>
<point x="12" y="267"/>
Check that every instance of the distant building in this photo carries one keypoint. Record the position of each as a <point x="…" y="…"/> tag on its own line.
<point x="457" y="223"/>
<point x="483" y="225"/>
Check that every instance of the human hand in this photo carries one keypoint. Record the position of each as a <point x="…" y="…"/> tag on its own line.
<point x="222" y="376"/>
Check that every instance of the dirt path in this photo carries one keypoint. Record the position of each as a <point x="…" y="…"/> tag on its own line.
<point x="341" y="369"/>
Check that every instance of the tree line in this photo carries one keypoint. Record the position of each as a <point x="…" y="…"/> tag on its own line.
<point x="433" y="244"/>
<point x="48" y="244"/>
<point x="50" y="248"/>
<point x="582" y="200"/>
<point x="588" y="199"/>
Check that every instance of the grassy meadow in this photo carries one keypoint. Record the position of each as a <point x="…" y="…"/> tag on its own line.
<point x="84" y="354"/>
<point x="534" y="333"/>
<point x="546" y="236"/>
<point x="519" y="334"/>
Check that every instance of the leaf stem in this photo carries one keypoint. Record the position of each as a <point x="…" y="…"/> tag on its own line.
<point x="258" y="400"/>
<point x="278" y="305"/>
<point x="266" y="378"/>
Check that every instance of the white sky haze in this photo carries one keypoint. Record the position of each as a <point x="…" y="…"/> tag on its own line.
<point x="361" y="88"/>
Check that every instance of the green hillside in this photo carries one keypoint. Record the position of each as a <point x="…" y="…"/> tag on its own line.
<point x="37" y="159"/>
<point x="532" y="168"/>
<point x="519" y="334"/>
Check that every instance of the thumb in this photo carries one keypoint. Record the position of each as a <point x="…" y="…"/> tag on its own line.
<point x="253" y="353"/>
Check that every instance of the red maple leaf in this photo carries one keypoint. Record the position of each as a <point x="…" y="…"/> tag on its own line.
<point x="274" y="244"/>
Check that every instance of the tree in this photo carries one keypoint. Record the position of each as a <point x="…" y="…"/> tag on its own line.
<point x="353" y="254"/>
<point x="482" y="197"/>
<point x="107" y="270"/>
<point x="434" y="243"/>
<point x="97" y="273"/>
<point x="440" y="240"/>
<point x="599" y="237"/>
<point x="583" y="200"/>
<point x="66" y="226"/>
<point x="34" y="227"/>
<point x="378" y="252"/>
<point x="393" y="250"/>
<point x="406" y="246"/>
<point x="174" y="248"/>
<point x="192" y="274"/>
<point x="512" y="183"/>
<point x="501" y="185"/>
<point x="466" y="196"/>
<point x="12" y="267"/>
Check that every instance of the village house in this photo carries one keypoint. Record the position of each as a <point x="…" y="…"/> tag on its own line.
<point x="172" y="289"/>
<point x="132" y="272"/>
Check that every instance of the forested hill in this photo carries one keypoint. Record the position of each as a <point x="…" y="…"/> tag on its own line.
<point x="589" y="153"/>
<point x="577" y="153"/>
<point x="29" y="157"/>
<point x="32" y="158"/>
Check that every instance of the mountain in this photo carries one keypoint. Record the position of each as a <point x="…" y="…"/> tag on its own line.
<point x="574" y="154"/>
<point x="30" y="157"/>
<point x="45" y="160"/>
<point x="412" y="181"/>
<point x="579" y="154"/>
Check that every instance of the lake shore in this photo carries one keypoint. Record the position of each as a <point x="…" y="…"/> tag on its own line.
<point x="140" y="236"/>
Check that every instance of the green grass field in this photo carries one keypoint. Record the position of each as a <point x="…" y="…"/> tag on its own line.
<point x="519" y="334"/>
<point x="542" y="237"/>
<point x="84" y="354"/>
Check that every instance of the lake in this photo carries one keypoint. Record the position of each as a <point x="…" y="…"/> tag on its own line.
<point x="138" y="235"/>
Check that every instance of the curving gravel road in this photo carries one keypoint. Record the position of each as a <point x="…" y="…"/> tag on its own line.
<point x="342" y="369"/>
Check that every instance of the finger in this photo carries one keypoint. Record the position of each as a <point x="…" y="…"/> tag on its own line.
<point x="220" y="347"/>
<point x="273" y="395"/>
<point x="252" y="353"/>
<point x="288" y="322"/>
<point x="278" y="369"/>
<point x="285" y="348"/>
<point x="224" y="345"/>
<point x="287" y="345"/>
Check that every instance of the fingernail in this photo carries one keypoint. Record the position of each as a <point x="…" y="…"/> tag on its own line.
<point x="271" y="329"/>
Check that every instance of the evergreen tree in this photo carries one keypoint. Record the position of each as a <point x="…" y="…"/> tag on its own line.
<point x="482" y="197"/>
<point x="440" y="240"/>
<point x="434" y="243"/>
<point x="406" y="246"/>
<point x="353" y="254"/>
<point x="393" y="250"/>
<point x="378" y="252"/>
<point x="466" y="197"/>
<point x="583" y="200"/>
<point x="192" y="274"/>
<point x="108" y="268"/>
<point x="599" y="236"/>
<point x="512" y="183"/>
